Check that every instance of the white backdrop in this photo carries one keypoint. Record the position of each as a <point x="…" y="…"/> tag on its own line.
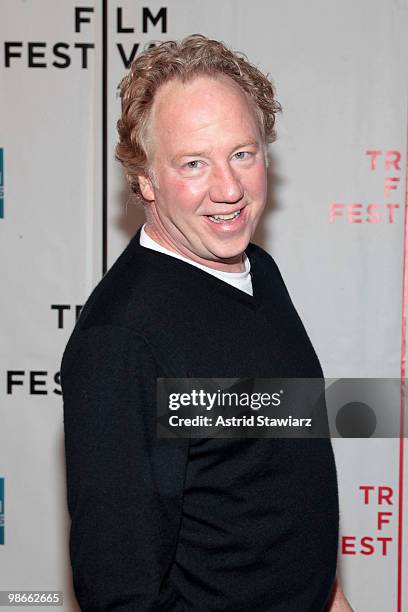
<point x="334" y="223"/>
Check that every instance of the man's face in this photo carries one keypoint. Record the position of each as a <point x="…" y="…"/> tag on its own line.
<point x="208" y="158"/>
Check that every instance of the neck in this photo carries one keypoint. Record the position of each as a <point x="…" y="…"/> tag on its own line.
<point x="233" y="264"/>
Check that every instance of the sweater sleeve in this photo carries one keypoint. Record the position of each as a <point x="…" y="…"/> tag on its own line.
<point x="124" y="485"/>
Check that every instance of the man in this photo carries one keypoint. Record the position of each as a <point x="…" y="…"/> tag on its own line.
<point x="193" y="524"/>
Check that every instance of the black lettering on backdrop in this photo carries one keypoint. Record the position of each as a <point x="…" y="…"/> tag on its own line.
<point x="85" y="47"/>
<point x="127" y="60"/>
<point x="33" y="54"/>
<point x="78" y="17"/>
<point x="148" y="16"/>
<point x="61" y="308"/>
<point x="11" y="381"/>
<point x="8" y="53"/>
<point x="119" y="23"/>
<point x="67" y="59"/>
<point x="37" y="381"/>
<point x="57" y="380"/>
<point x="37" y="53"/>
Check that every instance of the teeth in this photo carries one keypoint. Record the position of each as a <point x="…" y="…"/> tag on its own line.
<point x="225" y="217"/>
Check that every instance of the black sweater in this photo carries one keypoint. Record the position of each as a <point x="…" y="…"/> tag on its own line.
<point x="244" y="525"/>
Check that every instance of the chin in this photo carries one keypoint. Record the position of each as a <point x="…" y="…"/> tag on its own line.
<point x="230" y="253"/>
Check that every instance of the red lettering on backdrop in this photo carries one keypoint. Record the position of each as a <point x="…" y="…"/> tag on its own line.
<point x="347" y="545"/>
<point x="385" y="493"/>
<point x="359" y="213"/>
<point x="390" y="182"/>
<point x="382" y="520"/>
<point x="366" y="489"/>
<point x="392" y="158"/>
<point x="372" y="545"/>
<point x="352" y="213"/>
<point x="374" y="216"/>
<point x="367" y="545"/>
<point x="374" y="155"/>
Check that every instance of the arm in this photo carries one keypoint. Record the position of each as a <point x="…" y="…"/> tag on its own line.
<point x="123" y="533"/>
<point x="337" y="601"/>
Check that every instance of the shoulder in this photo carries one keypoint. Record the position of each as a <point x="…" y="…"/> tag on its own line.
<point x="104" y="354"/>
<point x="129" y="293"/>
<point x="119" y="312"/>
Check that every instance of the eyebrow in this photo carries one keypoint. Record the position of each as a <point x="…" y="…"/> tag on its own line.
<point x="249" y="143"/>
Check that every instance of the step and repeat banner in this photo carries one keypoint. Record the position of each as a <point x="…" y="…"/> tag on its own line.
<point x="334" y="223"/>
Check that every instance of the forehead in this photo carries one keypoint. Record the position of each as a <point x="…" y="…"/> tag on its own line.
<point x="199" y="107"/>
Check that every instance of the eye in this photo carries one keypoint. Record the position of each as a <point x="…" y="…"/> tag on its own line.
<point x="242" y="154"/>
<point x="192" y="164"/>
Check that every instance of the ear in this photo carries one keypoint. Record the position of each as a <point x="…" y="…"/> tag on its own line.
<point x="146" y="187"/>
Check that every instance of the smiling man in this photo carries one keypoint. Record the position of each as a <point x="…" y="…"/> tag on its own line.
<point x="209" y="187"/>
<point x="201" y="524"/>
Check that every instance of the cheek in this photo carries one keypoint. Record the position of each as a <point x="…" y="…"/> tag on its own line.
<point x="256" y="181"/>
<point x="174" y="192"/>
<point x="185" y="194"/>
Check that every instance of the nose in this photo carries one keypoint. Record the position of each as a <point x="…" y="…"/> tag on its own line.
<point x="225" y="185"/>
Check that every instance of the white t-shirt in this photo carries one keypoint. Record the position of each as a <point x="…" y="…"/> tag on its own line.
<point x="240" y="280"/>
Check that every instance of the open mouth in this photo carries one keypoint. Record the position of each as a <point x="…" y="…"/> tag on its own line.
<point x="224" y="218"/>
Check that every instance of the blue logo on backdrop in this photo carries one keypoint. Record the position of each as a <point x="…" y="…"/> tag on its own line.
<point x="1" y="185"/>
<point x="1" y="510"/>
